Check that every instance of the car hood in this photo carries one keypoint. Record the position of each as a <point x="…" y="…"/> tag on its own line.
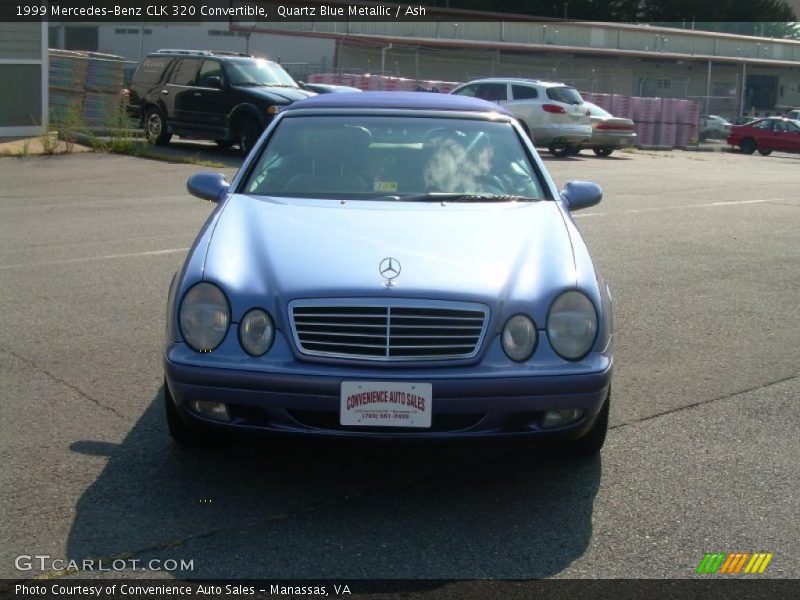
<point x="283" y="95"/>
<point x="266" y="250"/>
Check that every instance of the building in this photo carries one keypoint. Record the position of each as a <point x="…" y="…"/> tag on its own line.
<point x="23" y="69"/>
<point x="728" y="74"/>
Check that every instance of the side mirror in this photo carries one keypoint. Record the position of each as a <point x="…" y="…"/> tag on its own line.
<point x="214" y="82"/>
<point x="208" y="186"/>
<point x="581" y="194"/>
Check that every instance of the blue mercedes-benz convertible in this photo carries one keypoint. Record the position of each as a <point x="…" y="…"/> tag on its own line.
<point x="392" y="265"/>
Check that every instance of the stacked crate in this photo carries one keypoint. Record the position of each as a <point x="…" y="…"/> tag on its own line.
<point x="102" y="99"/>
<point x="89" y="84"/>
<point x="67" y="77"/>
<point x="645" y="113"/>
<point x="688" y="114"/>
<point x="668" y="128"/>
<point x="621" y="106"/>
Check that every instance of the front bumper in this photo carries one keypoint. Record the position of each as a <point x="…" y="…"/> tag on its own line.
<point x="463" y="407"/>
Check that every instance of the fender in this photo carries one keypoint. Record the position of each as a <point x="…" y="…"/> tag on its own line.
<point x="246" y="108"/>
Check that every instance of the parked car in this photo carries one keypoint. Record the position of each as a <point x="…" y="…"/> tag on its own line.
<point x="227" y="97"/>
<point x="793" y="114"/>
<point x="766" y="135"/>
<point x="713" y="127"/>
<point x="553" y="114"/>
<point x="394" y="265"/>
<point x="609" y="133"/>
<point x="327" y="88"/>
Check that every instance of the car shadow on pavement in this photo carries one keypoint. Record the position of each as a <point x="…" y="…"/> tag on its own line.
<point x="310" y="509"/>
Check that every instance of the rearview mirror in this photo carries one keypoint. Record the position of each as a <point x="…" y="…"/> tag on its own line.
<point x="208" y="186"/>
<point x="581" y="194"/>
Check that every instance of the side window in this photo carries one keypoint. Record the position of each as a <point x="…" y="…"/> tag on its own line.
<point x="493" y="92"/>
<point x="468" y="90"/>
<point x="765" y="125"/>
<point x="779" y="126"/>
<point x="151" y="69"/>
<point x="524" y="92"/>
<point x="210" y="68"/>
<point x="792" y="128"/>
<point x="185" y="72"/>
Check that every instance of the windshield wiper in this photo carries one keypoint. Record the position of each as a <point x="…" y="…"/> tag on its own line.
<point x="457" y="197"/>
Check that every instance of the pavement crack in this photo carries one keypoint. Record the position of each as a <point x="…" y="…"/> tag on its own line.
<point x="701" y="403"/>
<point x="55" y="378"/>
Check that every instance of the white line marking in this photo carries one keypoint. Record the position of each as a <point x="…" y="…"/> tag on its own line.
<point x="93" y="258"/>
<point x="633" y="211"/>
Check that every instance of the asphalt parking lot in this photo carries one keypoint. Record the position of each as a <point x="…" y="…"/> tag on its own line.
<point x="702" y="253"/>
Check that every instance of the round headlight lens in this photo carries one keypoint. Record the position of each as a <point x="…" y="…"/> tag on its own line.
<point x="572" y="325"/>
<point x="256" y="332"/>
<point x="519" y="338"/>
<point x="204" y="317"/>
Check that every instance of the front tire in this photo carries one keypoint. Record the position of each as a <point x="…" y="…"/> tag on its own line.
<point x="592" y="441"/>
<point x="603" y="152"/>
<point x="155" y="127"/>
<point x="748" y="145"/>
<point x="184" y="433"/>
<point x="249" y="131"/>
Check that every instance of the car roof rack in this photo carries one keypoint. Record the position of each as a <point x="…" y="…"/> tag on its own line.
<point x="203" y="52"/>
<point x="231" y="53"/>
<point x="178" y="51"/>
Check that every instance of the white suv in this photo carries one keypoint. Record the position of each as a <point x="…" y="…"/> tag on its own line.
<point x="554" y="114"/>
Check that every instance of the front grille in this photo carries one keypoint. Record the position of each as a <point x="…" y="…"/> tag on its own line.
<point x="395" y="331"/>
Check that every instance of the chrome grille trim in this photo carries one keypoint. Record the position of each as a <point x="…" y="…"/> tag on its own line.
<point x="388" y="330"/>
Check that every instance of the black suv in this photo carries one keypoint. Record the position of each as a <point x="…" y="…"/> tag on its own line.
<point x="222" y="96"/>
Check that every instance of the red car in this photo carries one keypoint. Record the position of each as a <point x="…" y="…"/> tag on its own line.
<point x="766" y="135"/>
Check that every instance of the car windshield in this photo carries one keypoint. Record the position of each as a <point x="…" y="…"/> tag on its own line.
<point x="396" y="158"/>
<point x="567" y="95"/>
<point x="258" y="72"/>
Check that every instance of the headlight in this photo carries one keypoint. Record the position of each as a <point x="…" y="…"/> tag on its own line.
<point x="256" y="332"/>
<point x="204" y="317"/>
<point x="572" y="325"/>
<point x="519" y="338"/>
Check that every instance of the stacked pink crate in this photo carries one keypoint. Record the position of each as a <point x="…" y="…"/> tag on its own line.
<point x="645" y="133"/>
<point x="645" y="112"/>
<point x="621" y="106"/>
<point x="669" y="110"/>
<point x="667" y="134"/>
<point x="645" y="109"/>
<point x="688" y="113"/>
<point x="602" y="100"/>
<point x="668" y="128"/>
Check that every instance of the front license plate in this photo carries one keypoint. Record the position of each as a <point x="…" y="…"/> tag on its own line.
<point x="386" y="404"/>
